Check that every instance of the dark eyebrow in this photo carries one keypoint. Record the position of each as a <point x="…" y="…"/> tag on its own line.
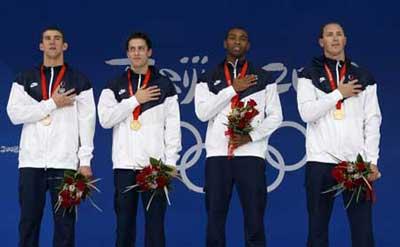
<point x="137" y="47"/>
<point x="55" y="36"/>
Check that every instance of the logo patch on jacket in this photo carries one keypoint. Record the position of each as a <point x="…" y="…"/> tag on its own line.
<point x="122" y="91"/>
<point x="322" y="79"/>
<point x="62" y="87"/>
<point x="217" y="82"/>
<point x="34" y="84"/>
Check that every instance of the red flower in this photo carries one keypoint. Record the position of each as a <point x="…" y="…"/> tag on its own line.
<point x="248" y="115"/>
<point x="255" y="112"/>
<point x="65" y="194"/>
<point x="147" y="170"/>
<point x="240" y="104"/>
<point x="141" y="178"/>
<point x="146" y="177"/>
<point x="141" y="181"/>
<point x="81" y="185"/>
<point x="66" y="203"/>
<point x="349" y="184"/>
<point x="69" y="180"/>
<point x="144" y="186"/>
<point x="338" y="174"/>
<point x="361" y="167"/>
<point x="343" y="164"/>
<point x="251" y="103"/>
<point x="242" y="123"/>
<point x="358" y="182"/>
<point x="65" y="199"/>
<point x="161" y="181"/>
<point x="229" y="132"/>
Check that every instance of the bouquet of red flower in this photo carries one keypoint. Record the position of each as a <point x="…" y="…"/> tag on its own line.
<point x="74" y="189"/>
<point x="352" y="176"/>
<point x="239" y="120"/>
<point x="155" y="177"/>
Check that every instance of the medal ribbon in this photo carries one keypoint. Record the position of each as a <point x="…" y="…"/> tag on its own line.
<point x="136" y="112"/>
<point x="228" y="79"/>
<point x="332" y="83"/>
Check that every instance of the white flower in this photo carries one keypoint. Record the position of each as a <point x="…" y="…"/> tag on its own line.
<point x="153" y="186"/>
<point x="79" y="194"/>
<point x="72" y="188"/>
<point x="350" y="168"/>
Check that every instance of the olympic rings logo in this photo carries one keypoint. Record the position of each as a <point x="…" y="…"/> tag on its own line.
<point x="278" y="163"/>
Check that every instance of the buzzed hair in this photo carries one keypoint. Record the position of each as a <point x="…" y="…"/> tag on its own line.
<point x="321" y="31"/>
<point x="235" y="27"/>
<point x="138" y="35"/>
<point x="53" y="28"/>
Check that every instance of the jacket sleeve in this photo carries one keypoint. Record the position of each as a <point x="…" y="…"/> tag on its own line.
<point x="112" y="112"/>
<point x="311" y="108"/>
<point x="22" y="108"/>
<point x="172" y="137"/>
<point x="372" y="123"/>
<point x="208" y="104"/>
<point x="273" y="112"/>
<point x="87" y="123"/>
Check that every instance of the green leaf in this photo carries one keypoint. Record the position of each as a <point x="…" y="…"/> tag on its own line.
<point x="69" y="173"/>
<point x="154" y="161"/>
<point x="359" y="159"/>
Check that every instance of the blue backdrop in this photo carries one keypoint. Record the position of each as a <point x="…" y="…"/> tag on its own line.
<point x="187" y="39"/>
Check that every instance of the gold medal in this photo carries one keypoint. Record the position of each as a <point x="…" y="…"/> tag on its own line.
<point x="46" y="121"/>
<point x="338" y="114"/>
<point x="135" y="125"/>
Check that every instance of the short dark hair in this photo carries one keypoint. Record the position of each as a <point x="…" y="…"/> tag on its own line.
<point x="236" y="27"/>
<point x="53" y="28"/>
<point x="138" y="35"/>
<point x="321" y="31"/>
